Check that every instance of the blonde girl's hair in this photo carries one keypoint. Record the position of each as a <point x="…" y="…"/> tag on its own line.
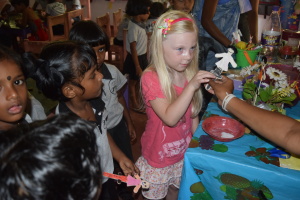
<point x="157" y="61"/>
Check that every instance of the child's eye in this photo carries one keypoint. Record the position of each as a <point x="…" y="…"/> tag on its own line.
<point x="101" y="50"/>
<point x="193" y="48"/>
<point x="179" y="49"/>
<point x="19" y="82"/>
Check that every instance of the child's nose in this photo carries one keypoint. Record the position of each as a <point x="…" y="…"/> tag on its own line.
<point x="100" y="76"/>
<point x="188" y="55"/>
<point x="11" y="93"/>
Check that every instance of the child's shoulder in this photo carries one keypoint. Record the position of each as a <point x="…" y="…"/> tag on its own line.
<point x="150" y="73"/>
<point x="113" y="70"/>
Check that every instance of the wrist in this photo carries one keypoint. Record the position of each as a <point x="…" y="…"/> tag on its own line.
<point x="226" y="100"/>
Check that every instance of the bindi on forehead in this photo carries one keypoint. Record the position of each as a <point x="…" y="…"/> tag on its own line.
<point x="9" y="78"/>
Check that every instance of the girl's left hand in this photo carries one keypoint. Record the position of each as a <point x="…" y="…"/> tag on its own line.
<point x="128" y="167"/>
<point x="200" y="78"/>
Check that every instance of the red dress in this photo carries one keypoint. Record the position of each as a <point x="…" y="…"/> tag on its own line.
<point x="41" y="32"/>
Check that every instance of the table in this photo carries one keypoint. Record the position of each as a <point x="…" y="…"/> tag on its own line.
<point x="231" y="174"/>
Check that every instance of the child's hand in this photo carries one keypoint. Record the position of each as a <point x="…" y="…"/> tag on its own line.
<point x="139" y="71"/>
<point x="131" y="131"/>
<point x="128" y="167"/>
<point x="200" y="78"/>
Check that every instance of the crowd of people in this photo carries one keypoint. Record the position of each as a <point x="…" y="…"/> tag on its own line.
<point x="90" y="130"/>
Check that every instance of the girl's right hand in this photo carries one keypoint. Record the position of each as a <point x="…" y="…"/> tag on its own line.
<point x="200" y="78"/>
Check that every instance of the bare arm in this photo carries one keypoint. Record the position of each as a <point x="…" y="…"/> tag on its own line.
<point x="127" y="117"/>
<point x="134" y="55"/>
<point x="207" y="22"/>
<point x="282" y="130"/>
<point x="171" y="113"/>
<point x="195" y="124"/>
<point x="125" y="163"/>
<point x="253" y="20"/>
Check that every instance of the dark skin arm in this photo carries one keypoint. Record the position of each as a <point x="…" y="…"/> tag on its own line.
<point x="207" y="22"/>
<point x="125" y="163"/>
<point x="253" y="20"/>
<point x="280" y="129"/>
<point x="126" y="114"/>
<point x="135" y="59"/>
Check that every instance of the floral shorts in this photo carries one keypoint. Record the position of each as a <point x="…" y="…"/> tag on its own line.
<point x="159" y="178"/>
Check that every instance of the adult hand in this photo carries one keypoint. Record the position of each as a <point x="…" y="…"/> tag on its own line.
<point x="221" y="87"/>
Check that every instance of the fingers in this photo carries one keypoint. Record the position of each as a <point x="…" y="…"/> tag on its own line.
<point x="132" y="136"/>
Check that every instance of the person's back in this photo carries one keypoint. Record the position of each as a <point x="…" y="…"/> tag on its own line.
<point x="118" y="40"/>
<point x="156" y="10"/>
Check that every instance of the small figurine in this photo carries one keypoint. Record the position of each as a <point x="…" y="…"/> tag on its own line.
<point x="222" y="65"/>
<point x="137" y="182"/>
<point x="226" y="58"/>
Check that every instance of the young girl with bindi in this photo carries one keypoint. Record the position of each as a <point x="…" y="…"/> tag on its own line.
<point x="68" y="72"/>
<point x="13" y="90"/>
<point x="170" y="89"/>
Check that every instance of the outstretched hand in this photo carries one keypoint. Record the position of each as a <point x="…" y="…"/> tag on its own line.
<point x="221" y="87"/>
<point x="201" y="77"/>
<point x="128" y="167"/>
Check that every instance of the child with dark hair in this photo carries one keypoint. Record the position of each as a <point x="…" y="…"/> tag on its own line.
<point x="136" y="45"/>
<point x="119" y="123"/>
<point x="30" y="18"/>
<point x="52" y="159"/>
<point x="156" y="10"/>
<point x="14" y="94"/>
<point x="68" y="72"/>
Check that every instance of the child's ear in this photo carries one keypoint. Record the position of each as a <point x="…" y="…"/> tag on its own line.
<point x="68" y="91"/>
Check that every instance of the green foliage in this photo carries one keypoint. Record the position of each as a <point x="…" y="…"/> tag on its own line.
<point x="271" y="96"/>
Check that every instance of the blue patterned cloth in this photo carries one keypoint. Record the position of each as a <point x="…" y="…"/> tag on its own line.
<point x="236" y="169"/>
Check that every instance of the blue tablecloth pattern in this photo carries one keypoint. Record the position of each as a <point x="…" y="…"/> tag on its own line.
<point x="240" y="169"/>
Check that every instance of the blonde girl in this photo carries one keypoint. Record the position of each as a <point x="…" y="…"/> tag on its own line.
<point x="170" y="90"/>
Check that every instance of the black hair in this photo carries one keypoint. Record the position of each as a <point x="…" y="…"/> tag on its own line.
<point x="59" y="63"/>
<point x="9" y="54"/>
<point x="156" y="10"/>
<point x="137" y="7"/>
<point x="89" y="32"/>
<point x="50" y="1"/>
<point x="19" y="2"/>
<point x="52" y="159"/>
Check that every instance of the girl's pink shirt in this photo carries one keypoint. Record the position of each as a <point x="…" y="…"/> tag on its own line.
<point x="162" y="145"/>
